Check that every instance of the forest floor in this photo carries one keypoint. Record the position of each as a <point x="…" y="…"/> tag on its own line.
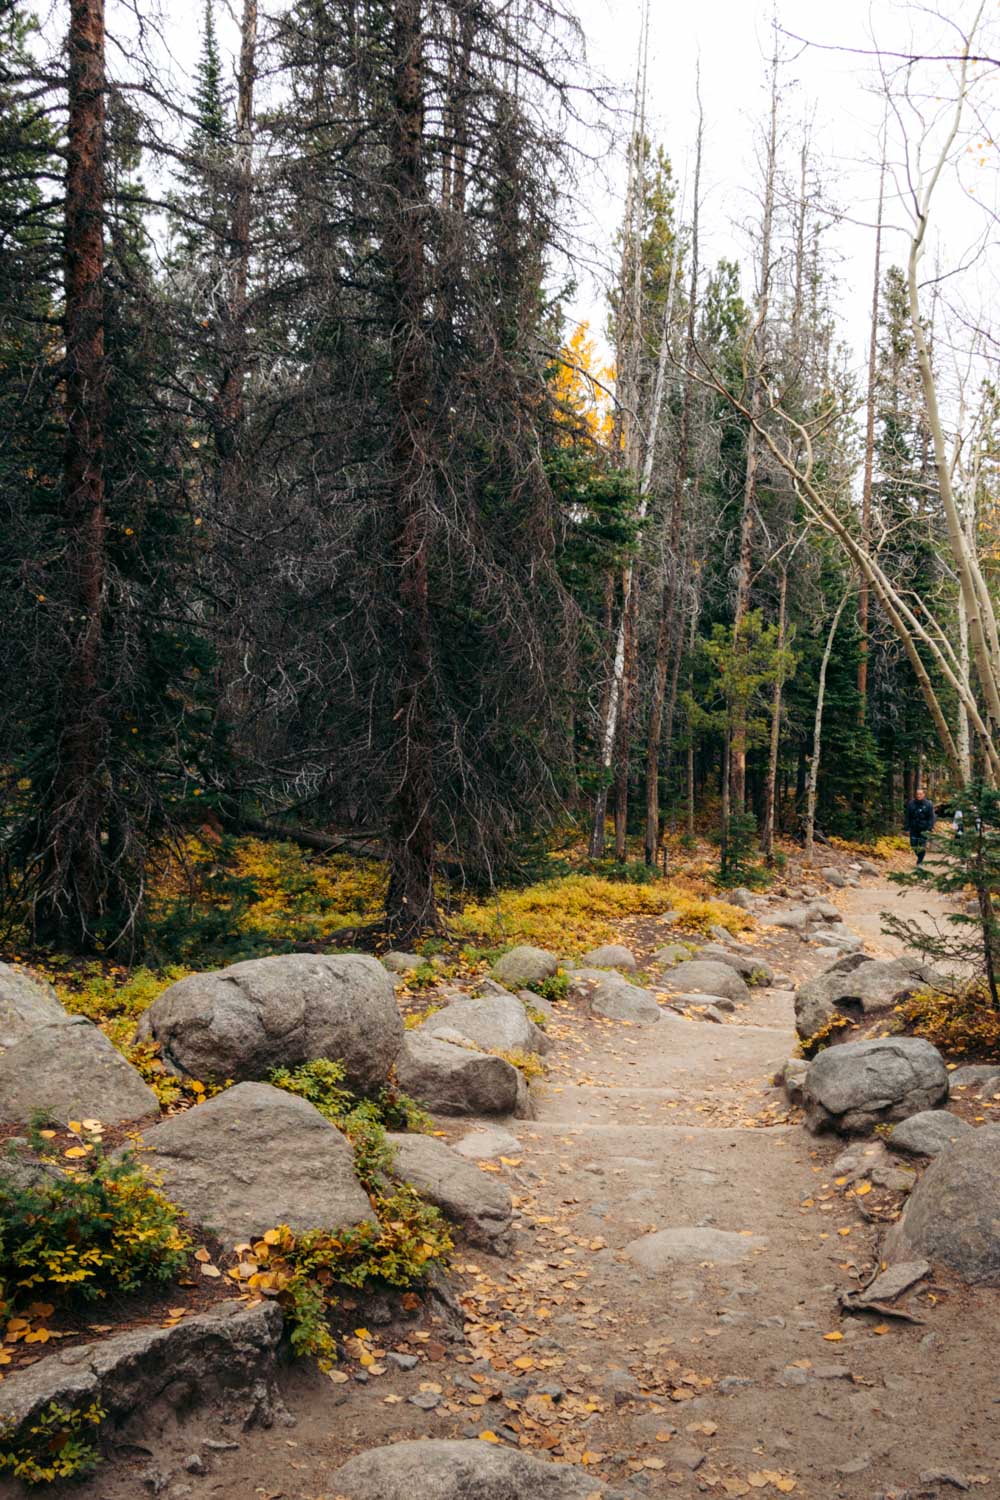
<point x="720" y="1365"/>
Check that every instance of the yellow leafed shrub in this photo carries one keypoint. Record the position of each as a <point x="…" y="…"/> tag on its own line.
<point x="577" y="912"/>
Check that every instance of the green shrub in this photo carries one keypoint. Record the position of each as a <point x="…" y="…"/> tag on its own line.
<point x="553" y="989"/>
<point x="407" y="1235"/>
<point x="54" y="1447"/>
<point x="100" y="1228"/>
<point x="322" y="1083"/>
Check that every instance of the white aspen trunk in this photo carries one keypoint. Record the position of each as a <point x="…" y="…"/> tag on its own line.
<point x="962" y="736"/>
<point x="864" y="600"/>
<point x="813" y="781"/>
<point x="981" y="620"/>
<point x="767" y="839"/>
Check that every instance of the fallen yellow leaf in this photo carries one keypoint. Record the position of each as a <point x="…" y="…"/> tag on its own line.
<point x="862" y="1188"/>
<point x="833" y="1338"/>
<point x="488" y="1437"/>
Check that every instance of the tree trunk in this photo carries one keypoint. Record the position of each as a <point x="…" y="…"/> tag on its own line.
<point x="668" y="602"/>
<point x="864" y="594"/>
<point x="738" y="755"/>
<point x="770" y="794"/>
<point x="410" y="901"/>
<point x="818" y="733"/>
<point x="230" y="395"/>
<point x="74" y="881"/>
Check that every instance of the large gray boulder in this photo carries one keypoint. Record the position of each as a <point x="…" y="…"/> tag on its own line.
<point x="824" y="911"/>
<point x="708" y="977"/>
<point x="928" y="1133"/>
<point x="229" y="1354"/>
<point x="858" y="988"/>
<point x="479" y="1204"/>
<point x="454" y="1080"/>
<point x="268" y="1013"/>
<point x="611" y="956"/>
<point x="525" y="965"/>
<point x="853" y="1088"/>
<point x="255" y="1157"/>
<point x="952" y="1216"/>
<point x="457" y="1469"/>
<point x="68" y="1070"/>
<point x="612" y="996"/>
<point x="497" y="1023"/>
<point x="833" y="876"/>
<point x="25" y="1003"/>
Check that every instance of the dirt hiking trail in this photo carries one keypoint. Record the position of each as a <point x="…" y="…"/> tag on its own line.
<point x="666" y="1316"/>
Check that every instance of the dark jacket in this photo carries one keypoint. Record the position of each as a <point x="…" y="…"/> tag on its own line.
<point x="920" y="816"/>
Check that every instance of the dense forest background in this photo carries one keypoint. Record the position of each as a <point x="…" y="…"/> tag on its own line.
<point x="323" y="518"/>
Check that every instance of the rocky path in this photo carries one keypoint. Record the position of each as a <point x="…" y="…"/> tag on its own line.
<point x="668" y="1318"/>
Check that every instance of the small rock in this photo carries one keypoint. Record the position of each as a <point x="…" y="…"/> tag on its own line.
<point x="216" y="1445"/>
<point x="795" y="918"/>
<point x="673" y="953"/>
<point x="944" y="1476"/>
<point x="402" y="963"/>
<point x="496" y="1023"/>
<point x="894" y="1179"/>
<point x="707" y="977"/>
<point x="402" y="1361"/>
<point x="608" y="994"/>
<point x="730" y="1384"/>
<point x="480" y="1205"/>
<point x="611" y="956"/>
<point x="525" y="965"/>
<point x="426" y="1400"/>
<point x="194" y="1464"/>
<point x="691" y="1245"/>
<point x="928" y="1133"/>
<point x="833" y="876"/>
<point x="687" y="1456"/>
<point x="854" y="1465"/>
<point x="483" y="1145"/>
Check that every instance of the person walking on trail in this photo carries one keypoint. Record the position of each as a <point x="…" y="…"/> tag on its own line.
<point x="920" y="820"/>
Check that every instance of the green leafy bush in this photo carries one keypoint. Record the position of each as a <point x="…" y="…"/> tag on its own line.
<point x="406" y="1236"/>
<point x="322" y="1083"/>
<point x="96" y="1229"/>
<point x="54" y="1447"/>
<point x="554" y="989"/>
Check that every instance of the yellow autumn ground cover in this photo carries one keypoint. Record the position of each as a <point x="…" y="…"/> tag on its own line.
<point x="275" y="889"/>
<point x="963" y="1025"/>
<point x="577" y="912"/>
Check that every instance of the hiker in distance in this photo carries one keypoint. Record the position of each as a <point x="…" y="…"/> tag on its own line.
<point x="919" y="821"/>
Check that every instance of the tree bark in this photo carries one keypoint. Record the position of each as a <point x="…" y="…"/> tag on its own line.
<point x="74" y="884"/>
<point x="771" y="789"/>
<point x="864" y="594"/>
<point x="813" y="781"/>
<point x="410" y="903"/>
<point x="738" y="749"/>
<point x="230" y="403"/>
<point x="669" y="595"/>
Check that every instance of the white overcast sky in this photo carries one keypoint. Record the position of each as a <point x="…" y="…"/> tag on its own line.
<point x="731" y="41"/>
